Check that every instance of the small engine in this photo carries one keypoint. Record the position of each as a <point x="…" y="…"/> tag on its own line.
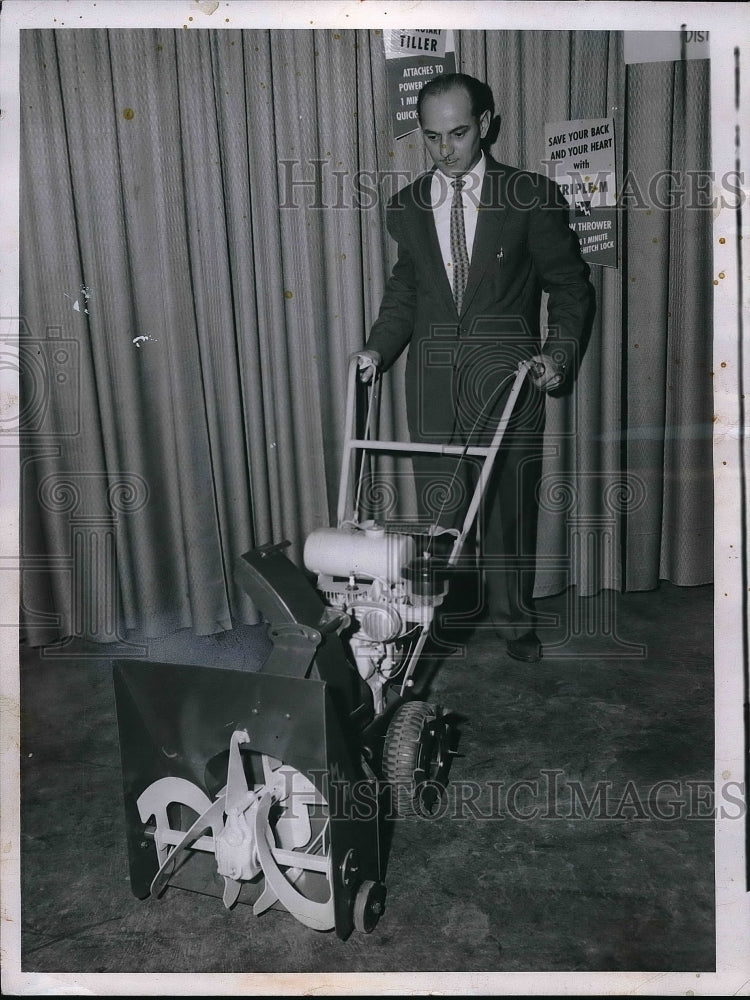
<point x="376" y="578"/>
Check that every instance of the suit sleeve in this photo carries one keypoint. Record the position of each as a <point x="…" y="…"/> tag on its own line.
<point x="565" y="277"/>
<point x="393" y="328"/>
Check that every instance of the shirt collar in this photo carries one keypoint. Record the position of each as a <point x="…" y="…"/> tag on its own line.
<point x="473" y="180"/>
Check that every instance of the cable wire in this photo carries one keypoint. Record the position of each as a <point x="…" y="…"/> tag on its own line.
<point x="461" y="457"/>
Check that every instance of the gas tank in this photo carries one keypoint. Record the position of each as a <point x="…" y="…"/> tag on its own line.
<point x="367" y="551"/>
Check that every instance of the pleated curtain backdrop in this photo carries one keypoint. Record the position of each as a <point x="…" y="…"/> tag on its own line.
<point x="203" y="245"/>
<point x="667" y="356"/>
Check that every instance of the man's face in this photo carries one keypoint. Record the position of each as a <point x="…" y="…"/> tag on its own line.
<point x="450" y="131"/>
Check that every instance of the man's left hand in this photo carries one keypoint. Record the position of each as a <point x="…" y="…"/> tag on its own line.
<point x="546" y="374"/>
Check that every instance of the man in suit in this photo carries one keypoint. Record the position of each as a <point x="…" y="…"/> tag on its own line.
<point x="465" y="296"/>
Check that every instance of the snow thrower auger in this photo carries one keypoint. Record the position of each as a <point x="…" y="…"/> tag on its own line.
<point x="266" y="787"/>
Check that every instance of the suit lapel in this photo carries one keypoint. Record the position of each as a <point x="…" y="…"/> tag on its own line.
<point x="490" y="222"/>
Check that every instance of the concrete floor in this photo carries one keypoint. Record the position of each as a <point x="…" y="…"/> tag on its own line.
<point x="518" y="879"/>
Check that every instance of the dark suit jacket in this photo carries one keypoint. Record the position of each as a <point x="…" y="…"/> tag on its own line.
<point x="522" y="244"/>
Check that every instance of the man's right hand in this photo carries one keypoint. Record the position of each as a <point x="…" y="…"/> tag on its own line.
<point x="368" y="363"/>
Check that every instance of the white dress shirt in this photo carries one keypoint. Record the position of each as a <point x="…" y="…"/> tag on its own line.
<point x="441" y="196"/>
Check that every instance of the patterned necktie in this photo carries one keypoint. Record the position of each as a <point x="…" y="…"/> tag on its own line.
<point x="459" y="255"/>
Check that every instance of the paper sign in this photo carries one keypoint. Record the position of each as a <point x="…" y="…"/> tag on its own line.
<point x="664" y="46"/>
<point x="413" y="58"/>
<point x="580" y="158"/>
<point x="400" y="44"/>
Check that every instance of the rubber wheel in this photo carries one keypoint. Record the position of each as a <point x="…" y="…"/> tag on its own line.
<point x="369" y="904"/>
<point x="416" y="758"/>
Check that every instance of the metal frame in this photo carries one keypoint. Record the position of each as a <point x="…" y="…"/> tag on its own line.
<point x="348" y="503"/>
<point x="353" y="444"/>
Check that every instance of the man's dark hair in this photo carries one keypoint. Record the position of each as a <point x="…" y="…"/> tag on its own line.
<point x="479" y="93"/>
